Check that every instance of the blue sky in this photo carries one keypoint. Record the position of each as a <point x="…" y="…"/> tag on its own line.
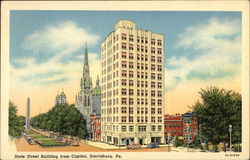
<point x="46" y="47"/>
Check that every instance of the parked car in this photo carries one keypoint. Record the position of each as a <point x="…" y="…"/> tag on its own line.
<point x="75" y="143"/>
<point x="153" y="145"/>
<point x="134" y="146"/>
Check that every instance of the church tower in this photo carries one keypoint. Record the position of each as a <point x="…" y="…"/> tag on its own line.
<point x="84" y="98"/>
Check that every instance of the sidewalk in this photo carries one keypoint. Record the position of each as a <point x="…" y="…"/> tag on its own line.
<point x="184" y="149"/>
<point x="102" y="145"/>
<point x="109" y="146"/>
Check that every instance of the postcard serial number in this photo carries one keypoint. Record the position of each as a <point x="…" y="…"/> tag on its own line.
<point x="232" y="155"/>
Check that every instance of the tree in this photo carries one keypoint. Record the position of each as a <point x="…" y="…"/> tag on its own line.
<point x="16" y="123"/>
<point x="62" y="118"/>
<point x="177" y="141"/>
<point x="217" y="110"/>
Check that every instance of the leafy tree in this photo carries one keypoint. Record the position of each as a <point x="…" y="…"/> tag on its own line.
<point x="217" y="110"/>
<point x="177" y="141"/>
<point x="16" y="123"/>
<point x="62" y="118"/>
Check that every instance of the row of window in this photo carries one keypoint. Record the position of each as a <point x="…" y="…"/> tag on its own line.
<point x="131" y="83"/>
<point x="125" y="119"/>
<point x="145" y="40"/>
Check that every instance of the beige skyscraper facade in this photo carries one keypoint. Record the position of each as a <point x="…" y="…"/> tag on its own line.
<point x="132" y="86"/>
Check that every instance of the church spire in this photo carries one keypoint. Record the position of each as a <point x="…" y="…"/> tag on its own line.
<point x="86" y="55"/>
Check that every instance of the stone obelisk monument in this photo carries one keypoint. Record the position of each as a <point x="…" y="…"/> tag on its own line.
<point x="27" y="124"/>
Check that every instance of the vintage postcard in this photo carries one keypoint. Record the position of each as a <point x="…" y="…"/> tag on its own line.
<point x="125" y="80"/>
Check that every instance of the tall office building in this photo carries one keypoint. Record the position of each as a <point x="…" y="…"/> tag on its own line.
<point x="132" y="86"/>
<point x="27" y="122"/>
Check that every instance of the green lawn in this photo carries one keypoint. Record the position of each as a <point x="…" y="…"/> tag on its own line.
<point x="48" y="143"/>
<point x="31" y="132"/>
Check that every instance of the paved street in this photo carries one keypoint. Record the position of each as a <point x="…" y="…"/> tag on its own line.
<point x="23" y="146"/>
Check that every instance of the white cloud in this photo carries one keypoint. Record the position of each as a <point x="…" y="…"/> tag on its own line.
<point x="218" y="47"/>
<point x="66" y="37"/>
<point x="60" y="40"/>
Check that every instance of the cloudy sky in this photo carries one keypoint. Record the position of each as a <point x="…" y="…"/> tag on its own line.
<point x="46" y="52"/>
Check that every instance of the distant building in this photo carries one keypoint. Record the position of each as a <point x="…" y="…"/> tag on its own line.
<point x="190" y="126"/>
<point x="61" y="98"/>
<point x="88" y="99"/>
<point x="96" y="127"/>
<point x="173" y="125"/>
<point x="183" y="125"/>
<point x="27" y="122"/>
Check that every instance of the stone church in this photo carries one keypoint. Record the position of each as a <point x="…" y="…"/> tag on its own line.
<point x="88" y="99"/>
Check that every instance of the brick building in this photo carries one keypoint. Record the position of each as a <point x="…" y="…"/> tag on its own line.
<point x="173" y="125"/>
<point x="182" y="125"/>
<point x="95" y="127"/>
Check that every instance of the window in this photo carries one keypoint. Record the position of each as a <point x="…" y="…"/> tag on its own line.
<point x="124" y="73"/>
<point x="159" y="128"/>
<point x="138" y="39"/>
<point x="131" y="75"/>
<point x="131" y="82"/>
<point x="153" y="128"/>
<point x="131" y="101"/>
<point x="124" y="82"/>
<point x="146" y="119"/>
<point x="131" y="65"/>
<point x="152" y="110"/>
<point x="152" y="75"/>
<point x="138" y="48"/>
<point x="159" y="85"/>
<point x="146" y="49"/>
<point x="131" y="119"/>
<point x="159" y="68"/>
<point x="159" y="102"/>
<point x="124" y="55"/>
<point x="159" y="76"/>
<point x="131" y="56"/>
<point x="124" y="109"/>
<point x="131" y="92"/>
<point x="159" y="110"/>
<point x="153" y="58"/>
<point x="159" y="51"/>
<point x="159" y="59"/>
<point x="124" y="36"/>
<point x="142" y="49"/>
<point x="131" y="128"/>
<point x="152" y="93"/>
<point x="142" y="119"/>
<point x="152" y="67"/>
<point x="142" y="39"/>
<point x="130" y="110"/>
<point x="138" y="119"/>
<point x="159" y="119"/>
<point x="153" y="102"/>
<point x="159" y="93"/>
<point x="124" y="100"/>
<point x="153" y="84"/>
<point x="124" y="64"/>
<point x="159" y="42"/>
<point x="124" y="46"/>
<point x="124" y="128"/>
<point x="146" y="40"/>
<point x="153" y="50"/>
<point x="131" y="38"/>
<point x="131" y="47"/>
<point x="124" y="91"/>
<point x="124" y="118"/>
<point x="152" y="119"/>
<point x="141" y="128"/>
<point x="153" y="41"/>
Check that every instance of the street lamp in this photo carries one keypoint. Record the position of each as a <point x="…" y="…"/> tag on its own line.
<point x="230" y="131"/>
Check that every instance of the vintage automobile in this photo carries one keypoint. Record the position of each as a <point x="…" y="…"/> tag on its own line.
<point x="75" y="143"/>
<point x="153" y="145"/>
<point x="134" y="146"/>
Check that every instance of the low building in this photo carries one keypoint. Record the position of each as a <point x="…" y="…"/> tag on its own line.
<point x="183" y="125"/>
<point x="95" y="127"/>
<point x="173" y="125"/>
<point x="190" y="126"/>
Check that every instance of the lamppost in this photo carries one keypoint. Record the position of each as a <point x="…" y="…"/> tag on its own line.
<point x="169" y="136"/>
<point x="188" y="136"/>
<point x="230" y="131"/>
